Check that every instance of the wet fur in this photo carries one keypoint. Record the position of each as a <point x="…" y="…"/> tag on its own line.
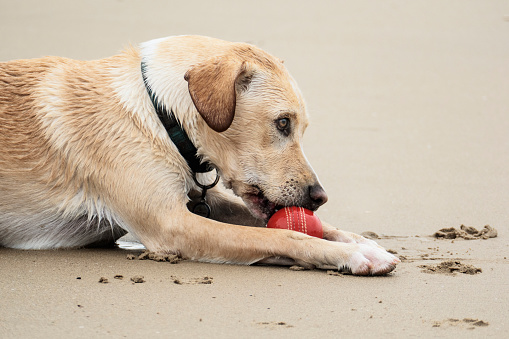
<point x="84" y="158"/>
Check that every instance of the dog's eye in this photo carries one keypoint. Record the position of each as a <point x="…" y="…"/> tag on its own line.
<point x="283" y="125"/>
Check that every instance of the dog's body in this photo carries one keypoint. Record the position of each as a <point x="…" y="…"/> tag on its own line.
<point x="84" y="157"/>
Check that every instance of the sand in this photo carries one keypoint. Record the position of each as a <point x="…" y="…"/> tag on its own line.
<point x="450" y="267"/>
<point x="467" y="232"/>
<point x="409" y="134"/>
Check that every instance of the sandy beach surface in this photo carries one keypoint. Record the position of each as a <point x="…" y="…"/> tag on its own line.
<point x="409" y="105"/>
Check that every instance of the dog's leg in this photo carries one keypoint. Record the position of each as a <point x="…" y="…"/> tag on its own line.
<point x="197" y="238"/>
<point x="230" y="209"/>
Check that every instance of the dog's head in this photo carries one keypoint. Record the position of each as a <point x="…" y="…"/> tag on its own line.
<point x="255" y="119"/>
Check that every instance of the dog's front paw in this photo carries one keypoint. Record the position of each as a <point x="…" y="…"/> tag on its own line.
<point x="370" y="260"/>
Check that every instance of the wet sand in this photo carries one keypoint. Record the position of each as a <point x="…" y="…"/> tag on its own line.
<point x="409" y="124"/>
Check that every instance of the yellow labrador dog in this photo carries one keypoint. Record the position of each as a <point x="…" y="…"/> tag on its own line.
<point x="92" y="149"/>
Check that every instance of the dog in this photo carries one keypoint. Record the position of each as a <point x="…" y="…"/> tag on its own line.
<point x="86" y="156"/>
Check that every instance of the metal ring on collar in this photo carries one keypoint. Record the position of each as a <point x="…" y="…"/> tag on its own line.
<point x="206" y="187"/>
<point x="202" y="209"/>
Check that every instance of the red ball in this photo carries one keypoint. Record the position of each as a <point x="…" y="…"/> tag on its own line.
<point x="297" y="219"/>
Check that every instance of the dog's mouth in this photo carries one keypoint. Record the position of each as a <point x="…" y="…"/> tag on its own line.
<point x="259" y="205"/>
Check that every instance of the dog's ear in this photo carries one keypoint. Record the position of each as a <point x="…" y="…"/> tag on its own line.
<point x="212" y="86"/>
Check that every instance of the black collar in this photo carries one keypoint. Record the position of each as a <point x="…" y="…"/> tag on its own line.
<point x="175" y="131"/>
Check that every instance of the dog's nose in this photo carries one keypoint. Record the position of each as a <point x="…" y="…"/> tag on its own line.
<point x="317" y="195"/>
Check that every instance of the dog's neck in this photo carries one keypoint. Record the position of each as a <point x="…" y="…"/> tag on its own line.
<point x="175" y="131"/>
